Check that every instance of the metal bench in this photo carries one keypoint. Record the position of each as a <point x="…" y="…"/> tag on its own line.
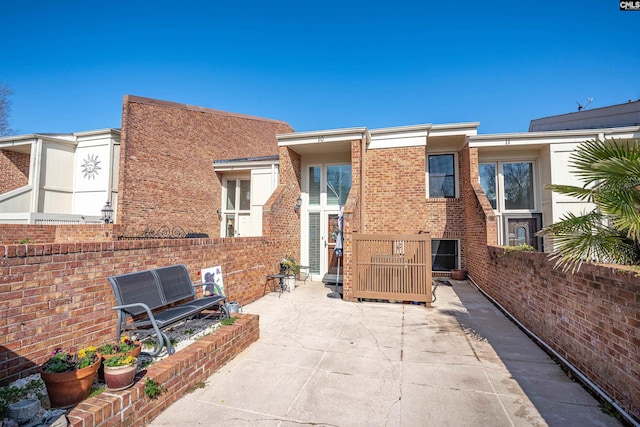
<point x="154" y="299"/>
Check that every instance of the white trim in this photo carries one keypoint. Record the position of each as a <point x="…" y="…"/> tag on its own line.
<point x="551" y="137"/>
<point x="319" y="137"/>
<point x="237" y="212"/>
<point x="245" y="165"/>
<point x="397" y="141"/>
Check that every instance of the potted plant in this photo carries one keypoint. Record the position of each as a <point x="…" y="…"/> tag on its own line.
<point x="290" y="268"/>
<point x="459" y="274"/>
<point x="68" y="377"/>
<point x="120" y="372"/>
<point x="126" y="347"/>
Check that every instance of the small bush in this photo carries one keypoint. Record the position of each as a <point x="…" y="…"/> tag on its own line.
<point x="152" y="389"/>
<point x="229" y="321"/>
<point x="519" y="248"/>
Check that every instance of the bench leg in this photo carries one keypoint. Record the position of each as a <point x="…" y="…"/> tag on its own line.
<point x="224" y="310"/>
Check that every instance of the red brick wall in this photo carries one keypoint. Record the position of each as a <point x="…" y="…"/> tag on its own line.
<point x="591" y="318"/>
<point x="352" y="220"/>
<point x="179" y="374"/>
<point x="280" y="221"/>
<point x="396" y="201"/>
<point x="15" y="170"/>
<point x="479" y="218"/>
<point x="166" y="163"/>
<point x="15" y="233"/>
<point x="58" y="295"/>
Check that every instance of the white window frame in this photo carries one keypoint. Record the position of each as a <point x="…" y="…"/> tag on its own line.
<point x="500" y="200"/>
<point x="236" y="212"/>
<point x="503" y="214"/>
<point x="456" y="172"/>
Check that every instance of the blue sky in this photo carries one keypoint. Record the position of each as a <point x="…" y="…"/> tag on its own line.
<point x="318" y="64"/>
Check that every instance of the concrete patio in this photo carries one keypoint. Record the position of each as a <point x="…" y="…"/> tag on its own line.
<point x="325" y="362"/>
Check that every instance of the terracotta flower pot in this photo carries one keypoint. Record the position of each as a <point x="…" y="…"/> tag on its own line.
<point x="119" y="377"/>
<point x="135" y="353"/>
<point x="66" y="389"/>
<point x="459" y="274"/>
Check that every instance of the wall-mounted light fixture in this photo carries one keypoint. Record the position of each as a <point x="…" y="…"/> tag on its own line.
<point x="219" y="212"/>
<point x="296" y="208"/>
<point x="107" y="213"/>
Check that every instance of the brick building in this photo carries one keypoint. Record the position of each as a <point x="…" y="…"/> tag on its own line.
<point x="212" y="173"/>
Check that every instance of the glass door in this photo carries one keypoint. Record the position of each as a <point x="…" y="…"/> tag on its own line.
<point x="327" y="189"/>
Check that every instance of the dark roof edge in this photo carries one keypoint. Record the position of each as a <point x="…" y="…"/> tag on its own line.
<point x="170" y="104"/>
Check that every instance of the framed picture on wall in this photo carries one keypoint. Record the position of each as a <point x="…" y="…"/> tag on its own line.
<point x="212" y="277"/>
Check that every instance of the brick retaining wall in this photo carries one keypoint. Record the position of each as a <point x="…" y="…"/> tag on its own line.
<point x="590" y="317"/>
<point x="58" y="295"/>
<point x="179" y="373"/>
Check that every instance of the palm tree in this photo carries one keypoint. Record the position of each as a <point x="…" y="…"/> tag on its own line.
<point x="609" y="233"/>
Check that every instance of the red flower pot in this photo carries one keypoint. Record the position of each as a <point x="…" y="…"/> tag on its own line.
<point x="66" y="389"/>
<point x="135" y="353"/>
<point x="119" y="377"/>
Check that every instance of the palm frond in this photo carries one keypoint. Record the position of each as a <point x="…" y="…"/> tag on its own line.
<point x="594" y="159"/>
<point x="577" y="239"/>
<point x="570" y="190"/>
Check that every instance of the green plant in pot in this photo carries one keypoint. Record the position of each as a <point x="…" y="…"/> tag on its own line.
<point x="120" y="372"/>
<point x="126" y="347"/>
<point x="290" y="268"/>
<point x="68" y="377"/>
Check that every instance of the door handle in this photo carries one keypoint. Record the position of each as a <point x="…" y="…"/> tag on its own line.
<point x="325" y="243"/>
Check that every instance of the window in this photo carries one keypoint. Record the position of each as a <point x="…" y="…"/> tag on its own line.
<point x="444" y="255"/>
<point x="487" y="173"/>
<point x="441" y="175"/>
<point x="513" y="190"/>
<point x="314" y="186"/>
<point x="314" y="242"/>
<point x="237" y="207"/>
<point x="518" y="185"/>
<point x="338" y="184"/>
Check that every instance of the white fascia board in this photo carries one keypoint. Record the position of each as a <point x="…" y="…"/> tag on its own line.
<point x="15" y="141"/>
<point x="452" y="129"/>
<point x="244" y="165"/>
<point x="18" y="138"/>
<point x="396" y="137"/>
<point x="8" y="142"/>
<point x="411" y="129"/>
<point x="98" y="133"/>
<point x="319" y="137"/>
<point x="551" y="137"/>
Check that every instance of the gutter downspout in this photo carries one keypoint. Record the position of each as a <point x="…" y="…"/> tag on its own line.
<point x="35" y="169"/>
<point x="561" y="359"/>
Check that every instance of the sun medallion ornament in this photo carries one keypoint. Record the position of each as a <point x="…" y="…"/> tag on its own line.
<point x="90" y="166"/>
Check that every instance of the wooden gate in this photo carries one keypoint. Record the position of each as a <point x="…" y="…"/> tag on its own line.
<point x="392" y="267"/>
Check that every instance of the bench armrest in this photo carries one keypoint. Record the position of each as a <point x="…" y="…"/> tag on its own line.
<point x="135" y="304"/>
<point x="154" y="324"/>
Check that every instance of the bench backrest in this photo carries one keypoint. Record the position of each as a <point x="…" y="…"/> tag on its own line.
<point x="156" y="288"/>
<point x="175" y="283"/>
